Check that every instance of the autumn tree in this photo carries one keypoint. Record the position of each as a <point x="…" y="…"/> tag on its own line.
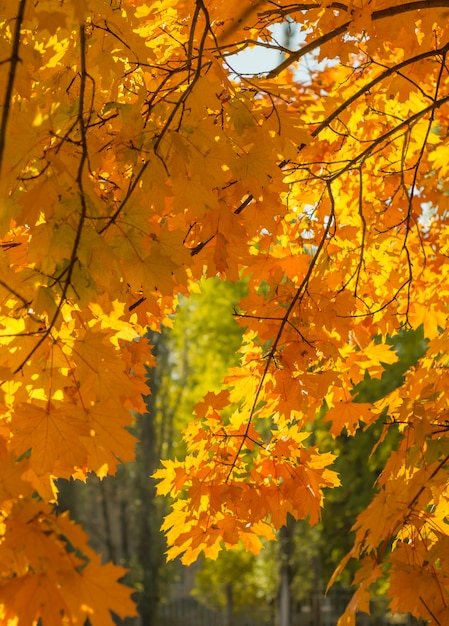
<point x="134" y="161"/>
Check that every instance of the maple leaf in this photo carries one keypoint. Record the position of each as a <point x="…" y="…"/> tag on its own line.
<point x="50" y="435"/>
<point x="251" y="541"/>
<point x="107" y="442"/>
<point x="348" y="415"/>
<point x="93" y="592"/>
<point x="12" y="479"/>
<point x="32" y="596"/>
<point x="172" y="477"/>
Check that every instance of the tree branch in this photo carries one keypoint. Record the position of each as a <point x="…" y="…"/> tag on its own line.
<point x="300" y="292"/>
<point x="367" y="88"/>
<point x="376" y="15"/>
<point x="79" y="182"/>
<point x="11" y="77"/>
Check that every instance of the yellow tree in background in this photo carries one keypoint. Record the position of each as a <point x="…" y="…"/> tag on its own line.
<point x="134" y="161"/>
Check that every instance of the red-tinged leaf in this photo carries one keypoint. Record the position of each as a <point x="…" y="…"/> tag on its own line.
<point x="229" y="529"/>
<point x="221" y="253"/>
<point x="278" y="506"/>
<point x="212" y="402"/>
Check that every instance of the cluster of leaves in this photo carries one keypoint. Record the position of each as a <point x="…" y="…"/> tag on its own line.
<point x="329" y="199"/>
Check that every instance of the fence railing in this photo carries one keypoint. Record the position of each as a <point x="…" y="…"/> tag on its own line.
<point x="317" y="610"/>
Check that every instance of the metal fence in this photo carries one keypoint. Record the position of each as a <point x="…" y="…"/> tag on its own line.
<point x="315" y="611"/>
<point x="319" y="610"/>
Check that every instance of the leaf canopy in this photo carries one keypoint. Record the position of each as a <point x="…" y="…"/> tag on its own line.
<point x="134" y="161"/>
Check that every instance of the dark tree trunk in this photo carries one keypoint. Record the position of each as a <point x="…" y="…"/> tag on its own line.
<point x="149" y="548"/>
<point x="286" y="558"/>
<point x="229" y="609"/>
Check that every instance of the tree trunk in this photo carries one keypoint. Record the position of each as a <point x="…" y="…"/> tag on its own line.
<point x="111" y="552"/>
<point x="229" y="615"/>
<point x="318" y="593"/>
<point x="286" y="555"/>
<point x="149" y="548"/>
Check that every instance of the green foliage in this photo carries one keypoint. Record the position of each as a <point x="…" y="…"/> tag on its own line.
<point x="200" y="347"/>
<point x="236" y="567"/>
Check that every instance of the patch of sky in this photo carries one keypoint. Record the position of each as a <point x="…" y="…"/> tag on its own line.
<point x="262" y="57"/>
<point x="429" y="212"/>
